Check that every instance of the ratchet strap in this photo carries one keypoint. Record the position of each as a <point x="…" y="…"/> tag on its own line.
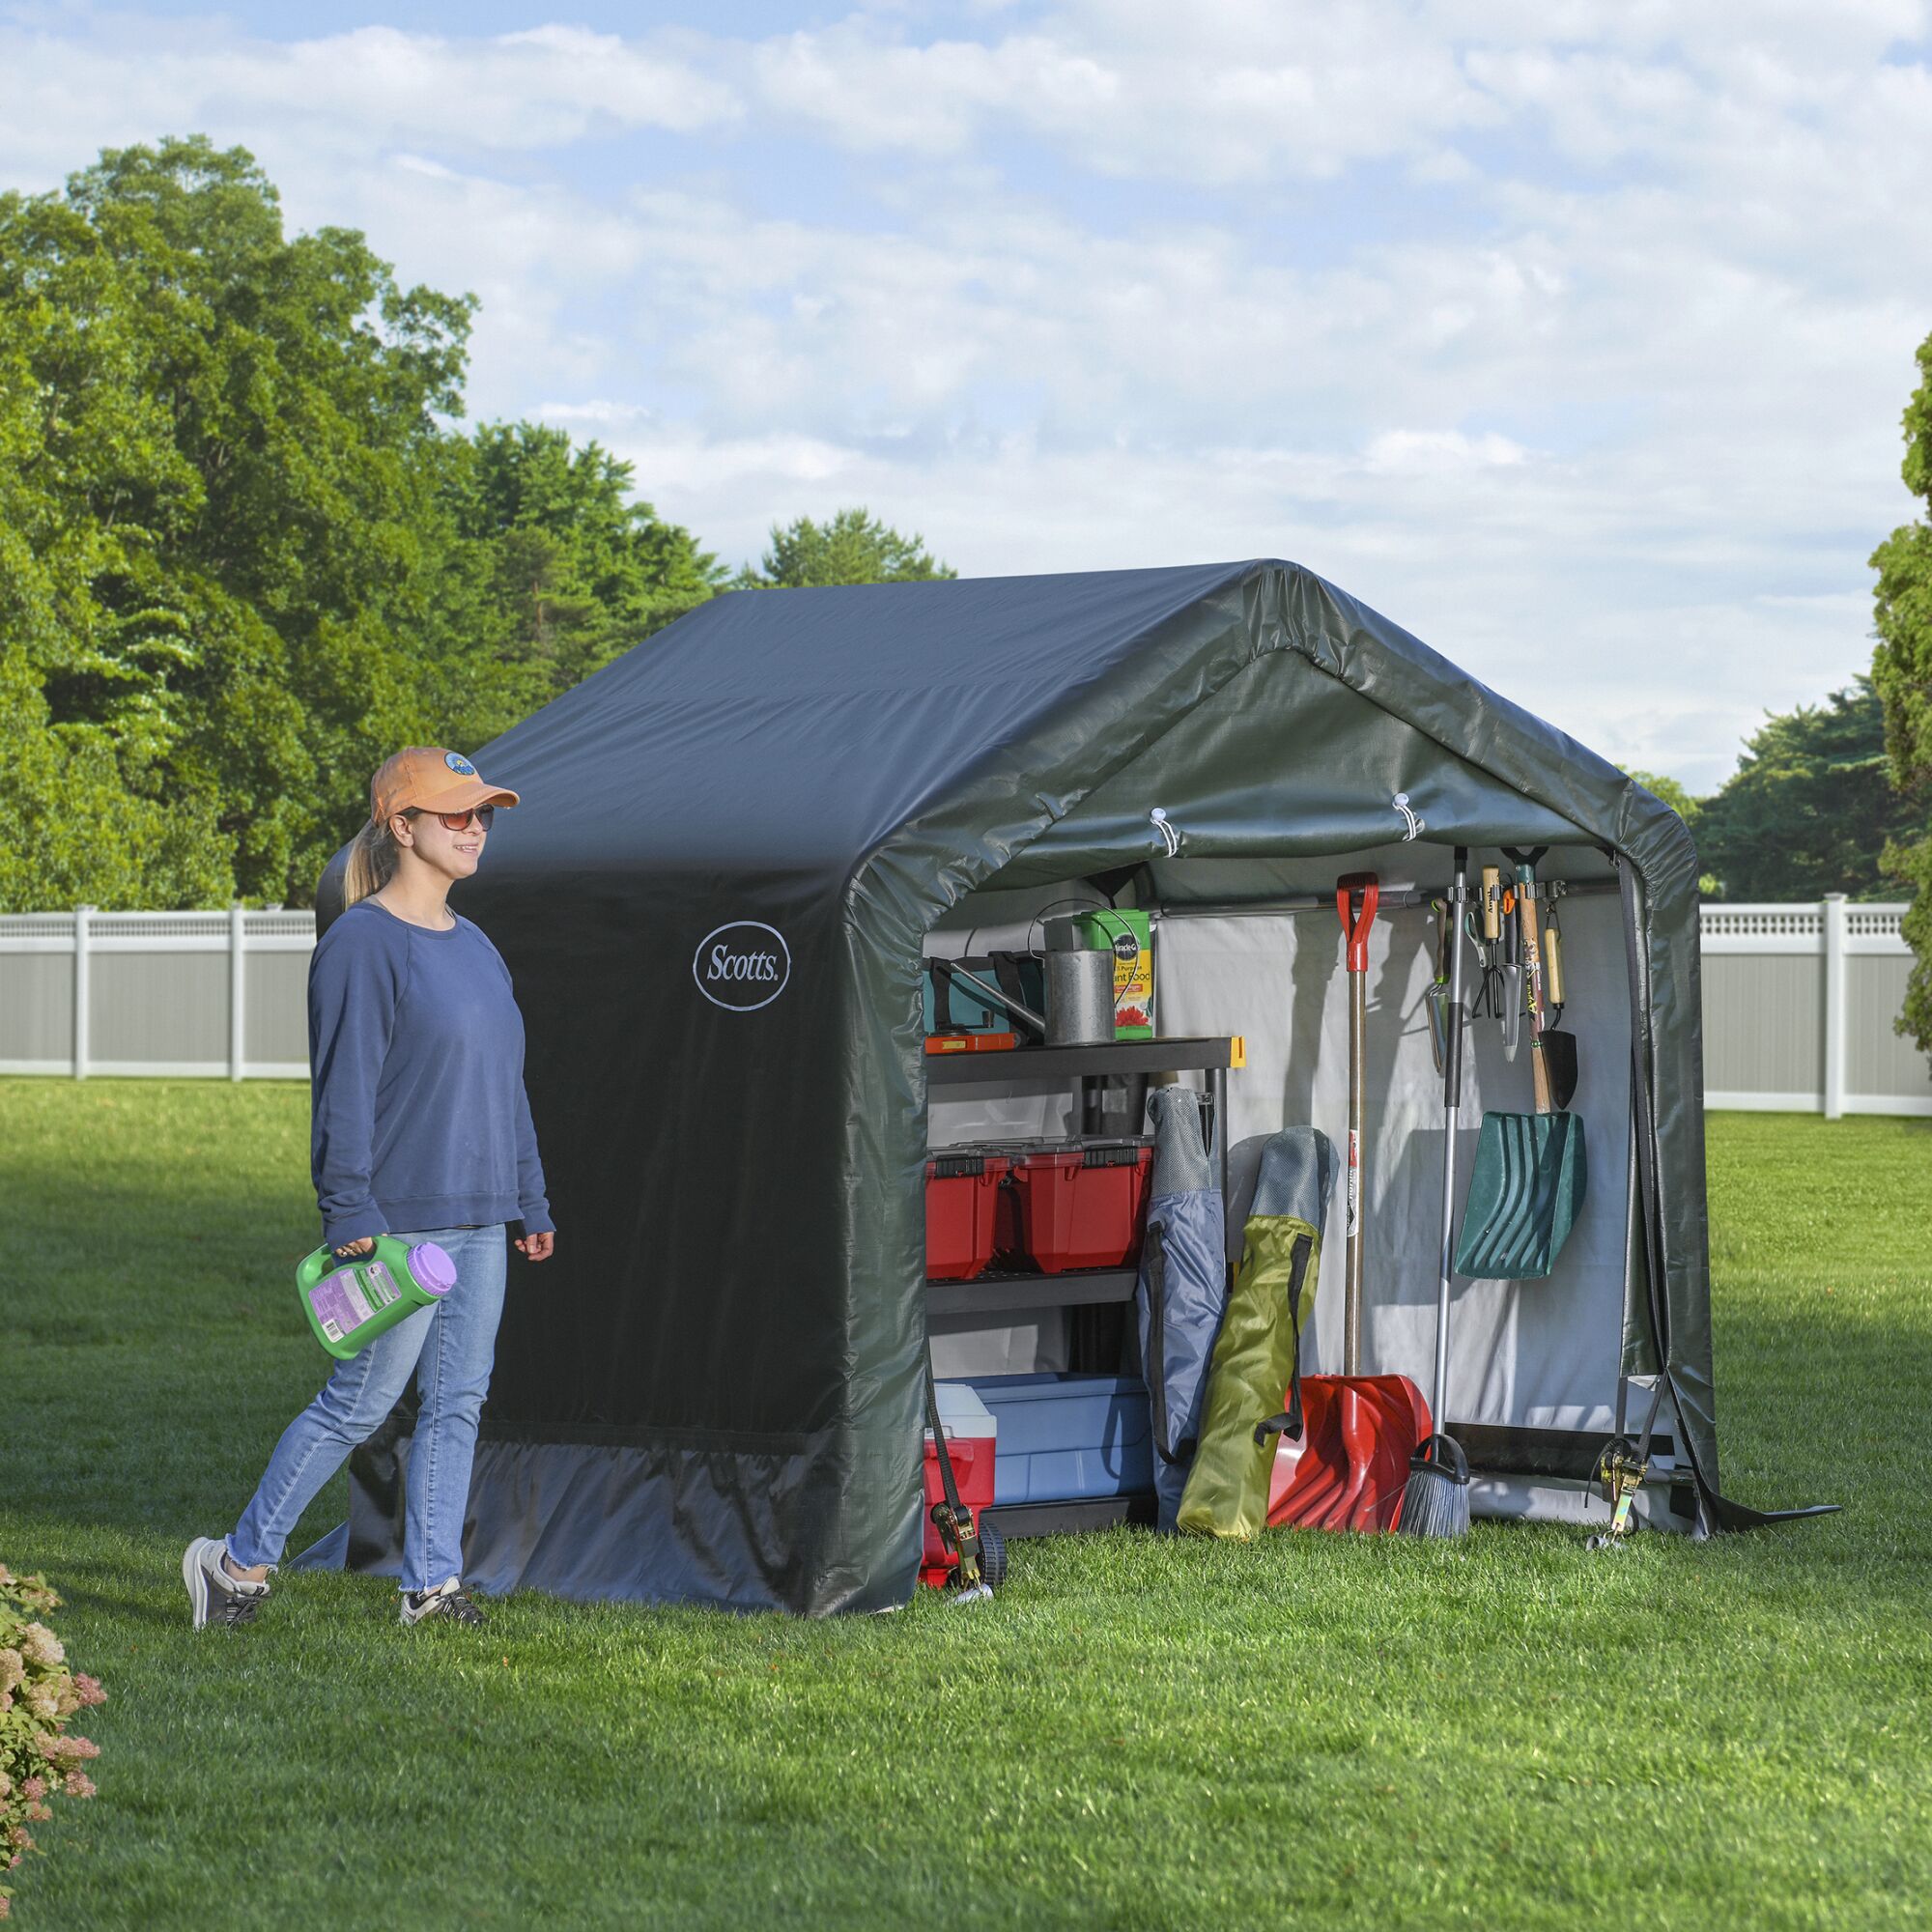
<point x="954" y="1520"/>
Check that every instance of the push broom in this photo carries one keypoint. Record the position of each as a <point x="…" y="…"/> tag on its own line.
<point x="1436" y="1499"/>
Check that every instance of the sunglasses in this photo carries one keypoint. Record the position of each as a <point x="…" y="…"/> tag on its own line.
<point x="459" y="821"/>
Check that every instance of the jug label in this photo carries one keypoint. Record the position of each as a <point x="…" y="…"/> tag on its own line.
<point x="339" y="1304"/>
<point x="381" y="1283"/>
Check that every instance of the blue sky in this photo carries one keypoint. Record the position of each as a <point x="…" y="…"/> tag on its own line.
<point x="1574" y="336"/>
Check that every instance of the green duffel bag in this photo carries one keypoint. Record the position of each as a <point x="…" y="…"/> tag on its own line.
<point x="1257" y="1353"/>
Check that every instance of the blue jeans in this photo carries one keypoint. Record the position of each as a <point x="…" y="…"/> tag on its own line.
<point x="450" y="1348"/>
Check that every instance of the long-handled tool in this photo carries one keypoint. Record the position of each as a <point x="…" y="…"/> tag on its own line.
<point x="1349" y="1470"/>
<point x="1436" y="1499"/>
<point x="1527" y="1188"/>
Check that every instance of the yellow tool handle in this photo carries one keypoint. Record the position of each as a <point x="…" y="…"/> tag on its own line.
<point x="1532" y="954"/>
<point x="1553" y="964"/>
<point x="1493" y="918"/>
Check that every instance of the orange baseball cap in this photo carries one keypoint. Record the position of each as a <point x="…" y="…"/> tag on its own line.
<point x="432" y="779"/>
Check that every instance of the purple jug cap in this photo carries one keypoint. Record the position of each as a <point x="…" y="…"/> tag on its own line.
<point x="434" y="1272"/>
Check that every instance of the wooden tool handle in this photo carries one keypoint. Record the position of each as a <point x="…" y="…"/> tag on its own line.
<point x="1493" y="900"/>
<point x="1552" y="964"/>
<point x="1525" y="912"/>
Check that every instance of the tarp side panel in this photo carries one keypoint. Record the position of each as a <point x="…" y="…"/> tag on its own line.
<point x="1540" y="1355"/>
<point x="655" y="1523"/>
<point x="735" y="1178"/>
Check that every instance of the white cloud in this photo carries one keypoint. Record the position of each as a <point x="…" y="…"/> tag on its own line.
<point x="1573" y="335"/>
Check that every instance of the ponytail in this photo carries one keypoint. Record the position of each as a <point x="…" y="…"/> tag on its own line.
<point x="372" y="862"/>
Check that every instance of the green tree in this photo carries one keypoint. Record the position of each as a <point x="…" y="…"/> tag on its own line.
<point x="1902" y="674"/>
<point x="566" y="568"/>
<point x="853" y="548"/>
<point x="1809" y="810"/>
<point x="243" y="551"/>
<point x="222" y="499"/>
<point x="1673" y="794"/>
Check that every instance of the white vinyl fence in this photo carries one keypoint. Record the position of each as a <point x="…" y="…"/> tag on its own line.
<point x="1799" y="1006"/>
<point x="220" y="993"/>
<point x="1799" y="1001"/>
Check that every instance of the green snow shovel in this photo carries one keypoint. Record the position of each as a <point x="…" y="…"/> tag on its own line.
<point x="1527" y="1188"/>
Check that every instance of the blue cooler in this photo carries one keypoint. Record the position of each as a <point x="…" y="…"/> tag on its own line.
<point x="1069" y="1438"/>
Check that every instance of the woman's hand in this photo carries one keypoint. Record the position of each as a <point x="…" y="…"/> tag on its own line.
<point x="350" y="1249"/>
<point x="536" y="1247"/>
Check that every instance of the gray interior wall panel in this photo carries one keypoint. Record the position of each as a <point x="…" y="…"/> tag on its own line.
<point x="1543" y="1355"/>
<point x="276" y="1021"/>
<point x="35" y="1006"/>
<point x="1764" y="1023"/>
<point x="159" y="1006"/>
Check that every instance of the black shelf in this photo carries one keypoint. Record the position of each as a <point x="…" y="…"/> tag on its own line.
<point x="1121" y="1057"/>
<point x="1013" y="1293"/>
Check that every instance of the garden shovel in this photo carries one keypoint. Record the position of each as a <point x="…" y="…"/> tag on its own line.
<point x="1559" y="1048"/>
<point x="1349" y="1469"/>
<point x="1528" y="1183"/>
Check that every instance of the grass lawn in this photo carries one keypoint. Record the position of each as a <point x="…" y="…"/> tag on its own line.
<point x="1320" y="1731"/>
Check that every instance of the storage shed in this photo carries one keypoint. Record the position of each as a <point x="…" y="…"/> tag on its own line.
<point x="737" y="846"/>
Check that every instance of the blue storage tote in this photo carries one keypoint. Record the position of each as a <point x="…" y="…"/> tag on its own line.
<point x="1066" y="1438"/>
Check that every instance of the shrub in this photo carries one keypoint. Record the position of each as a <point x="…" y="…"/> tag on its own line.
<point x="39" y="1758"/>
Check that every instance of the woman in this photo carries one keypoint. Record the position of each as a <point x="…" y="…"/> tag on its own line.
<point x="420" y="1123"/>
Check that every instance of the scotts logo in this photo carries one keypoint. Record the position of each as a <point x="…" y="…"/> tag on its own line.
<point x="743" y="966"/>
<point x="458" y="764"/>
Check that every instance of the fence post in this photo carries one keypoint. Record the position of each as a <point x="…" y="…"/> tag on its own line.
<point x="237" y="989"/>
<point x="1834" y="922"/>
<point x="82" y="992"/>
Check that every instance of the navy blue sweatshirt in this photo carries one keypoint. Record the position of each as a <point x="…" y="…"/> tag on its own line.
<point x="415" y="1052"/>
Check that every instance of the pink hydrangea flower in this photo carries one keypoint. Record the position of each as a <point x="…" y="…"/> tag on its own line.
<point x="88" y="1688"/>
<point x="40" y="1644"/>
<point x="34" y="1787"/>
<point x="77" y="1784"/>
<point x="77" y="1749"/>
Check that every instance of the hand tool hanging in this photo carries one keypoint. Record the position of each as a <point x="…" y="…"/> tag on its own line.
<point x="1527" y="1188"/>
<point x="1512" y="975"/>
<point x="1559" y="1048"/>
<point x="1483" y="922"/>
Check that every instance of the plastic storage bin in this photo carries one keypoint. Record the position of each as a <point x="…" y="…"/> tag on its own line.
<point x="962" y="1193"/>
<point x="1080" y="1205"/>
<point x="1069" y="1438"/>
<point x="972" y="1432"/>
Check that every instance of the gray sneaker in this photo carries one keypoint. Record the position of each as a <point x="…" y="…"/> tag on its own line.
<point x="214" y="1596"/>
<point x="448" y="1600"/>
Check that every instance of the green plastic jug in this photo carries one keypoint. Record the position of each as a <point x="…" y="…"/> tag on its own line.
<point x="350" y="1303"/>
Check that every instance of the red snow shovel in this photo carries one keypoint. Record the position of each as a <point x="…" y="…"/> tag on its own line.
<point x="1350" y="1467"/>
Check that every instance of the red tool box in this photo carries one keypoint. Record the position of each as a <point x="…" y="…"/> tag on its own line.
<point x="962" y="1191"/>
<point x="1080" y="1205"/>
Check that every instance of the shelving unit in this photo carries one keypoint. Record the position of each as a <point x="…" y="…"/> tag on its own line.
<point x="1212" y="1054"/>
<point x="999" y="1296"/>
